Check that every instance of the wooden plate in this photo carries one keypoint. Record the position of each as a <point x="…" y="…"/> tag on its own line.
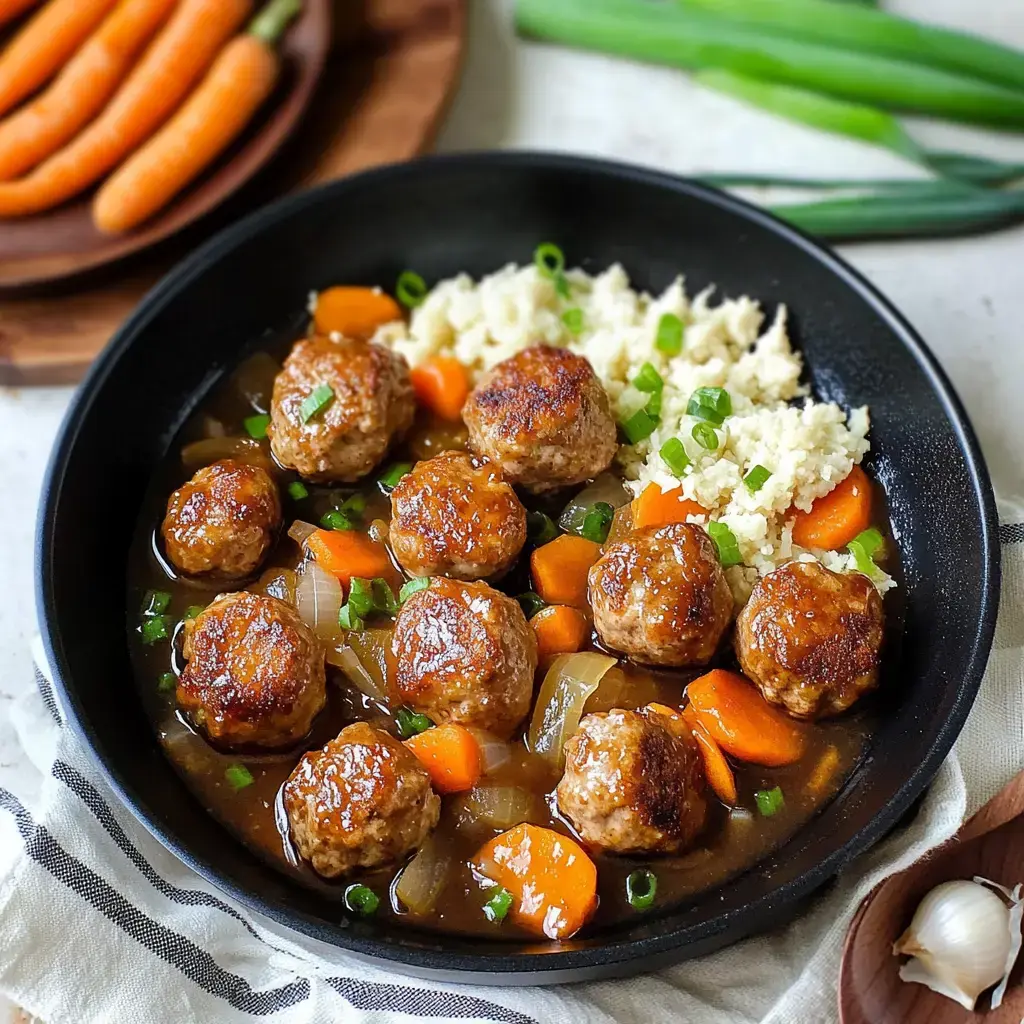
<point x="991" y="845"/>
<point x="64" y="242"/>
<point x="392" y="68"/>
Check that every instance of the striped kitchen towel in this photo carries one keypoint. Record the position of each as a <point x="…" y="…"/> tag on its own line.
<point x="99" y="923"/>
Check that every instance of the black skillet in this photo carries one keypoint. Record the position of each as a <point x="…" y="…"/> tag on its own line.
<point x="474" y="213"/>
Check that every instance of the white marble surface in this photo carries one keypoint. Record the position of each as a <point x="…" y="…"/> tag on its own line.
<point x="964" y="296"/>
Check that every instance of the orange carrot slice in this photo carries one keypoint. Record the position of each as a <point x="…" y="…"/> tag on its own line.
<point x="552" y="880"/>
<point x="716" y="768"/>
<point x="451" y="755"/>
<point x="441" y="384"/>
<point x="560" y="630"/>
<point x="742" y="722"/>
<point x="348" y="554"/>
<point x="837" y="517"/>
<point x="560" y="569"/>
<point x="656" y="507"/>
<point x="354" y="312"/>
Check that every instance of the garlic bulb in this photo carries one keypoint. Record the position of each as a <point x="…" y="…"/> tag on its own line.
<point x="962" y="940"/>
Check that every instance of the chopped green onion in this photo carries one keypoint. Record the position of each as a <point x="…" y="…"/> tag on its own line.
<point x="256" y="426"/>
<point x="597" y="522"/>
<point x="705" y="435"/>
<point x="648" y="379"/>
<point x="193" y="611"/>
<point x="167" y="682"/>
<point x="384" y="600"/>
<point x="360" y="597"/>
<point x="297" y="490"/>
<point x="573" y="320"/>
<point x="531" y="603"/>
<point x="411" y="289"/>
<point x="388" y="480"/>
<point x="673" y="454"/>
<point x="155" y="628"/>
<point x="348" y="619"/>
<point x="238" y="776"/>
<point x="725" y="541"/>
<point x="316" y="401"/>
<point x="336" y="520"/>
<point x="641" y="888"/>
<point x="498" y="905"/>
<point x="639" y="426"/>
<point x="653" y="405"/>
<point x="770" y="801"/>
<point x="413" y="586"/>
<point x="354" y="504"/>
<point x="670" y="335"/>
<point x="550" y="260"/>
<point x="411" y="723"/>
<point x="540" y="528"/>
<point x="756" y="478"/>
<point x="156" y="602"/>
<point x="864" y="547"/>
<point x="361" y="900"/>
<point x="711" y="404"/>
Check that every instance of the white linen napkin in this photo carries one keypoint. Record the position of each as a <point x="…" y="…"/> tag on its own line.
<point x="99" y="923"/>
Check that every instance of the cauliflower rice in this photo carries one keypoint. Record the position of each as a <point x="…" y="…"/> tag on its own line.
<point x="807" y="445"/>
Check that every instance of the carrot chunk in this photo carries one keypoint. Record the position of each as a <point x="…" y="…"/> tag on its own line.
<point x="560" y="569"/>
<point x="348" y="554"/>
<point x="656" y="507"/>
<point x="560" y="630"/>
<point x="451" y="755"/>
<point x="742" y="722"/>
<point x="441" y="384"/>
<point x="354" y="312"/>
<point x="716" y="768"/>
<point x="837" y="517"/>
<point x="552" y="880"/>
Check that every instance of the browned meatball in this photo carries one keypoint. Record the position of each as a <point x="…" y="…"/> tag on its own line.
<point x="255" y="674"/>
<point x="809" y="638"/>
<point x="465" y="653"/>
<point x="544" y="417"/>
<point x="223" y="521"/>
<point x="455" y="516"/>
<point x="362" y="802"/>
<point x="660" y="596"/>
<point x="371" y="404"/>
<point x="634" y="782"/>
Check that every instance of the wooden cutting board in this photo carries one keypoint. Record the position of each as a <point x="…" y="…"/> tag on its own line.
<point x="393" y="66"/>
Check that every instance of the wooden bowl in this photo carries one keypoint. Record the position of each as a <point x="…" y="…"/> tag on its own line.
<point x="63" y="242"/>
<point x="991" y="845"/>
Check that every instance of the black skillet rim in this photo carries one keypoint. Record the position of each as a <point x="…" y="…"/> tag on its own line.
<point x="615" y="957"/>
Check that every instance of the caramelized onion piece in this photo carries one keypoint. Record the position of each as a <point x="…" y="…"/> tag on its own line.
<point x="318" y="600"/>
<point x="212" y="449"/>
<point x="501" y="807"/>
<point x="424" y="878"/>
<point x="363" y="657"/>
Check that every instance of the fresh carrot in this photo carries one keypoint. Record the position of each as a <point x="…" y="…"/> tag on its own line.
<point x="187" y="46"/>
<point x="656" y="507"/>
<point x="82" y="89"/>
<point x="560" y="630"/>
<point x="560" y="569"/>
<point x="742" y="722"/>
<point x="241" y="79"/>
<point x="451" y="755"/>
<point x="824" y="771"/>
<point x="837" y="517"/>
<point x="44" y="45"/>
<point x="441" y="384"/>
<point x="354" y="312"/>
<point x="10" y="9"/>
<point x="552" y="880"/>
<point x="348" y="554"/>
<point x="716" y="768"/>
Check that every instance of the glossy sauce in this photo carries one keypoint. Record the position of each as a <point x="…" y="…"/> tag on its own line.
<point x="732" y="842"/>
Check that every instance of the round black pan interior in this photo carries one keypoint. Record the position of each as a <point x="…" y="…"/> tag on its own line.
<point x="474" y="213"/>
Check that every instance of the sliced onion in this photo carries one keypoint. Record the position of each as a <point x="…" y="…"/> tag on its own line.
<point x="318" y="600"/>
<point x="500" y="806"/>
<point x="363" y="657"/>
<point x="495" y="753"/>
<point x="622" y="524"/>
<point x="300" y="531"/>
<point x="571" y="679"/>
<point x="379" y="531"/>
<point x="279" y="583"/>
<point x="606" y="487"/>
<point x="212" y="449"/>
<point x="424" y="878"/>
